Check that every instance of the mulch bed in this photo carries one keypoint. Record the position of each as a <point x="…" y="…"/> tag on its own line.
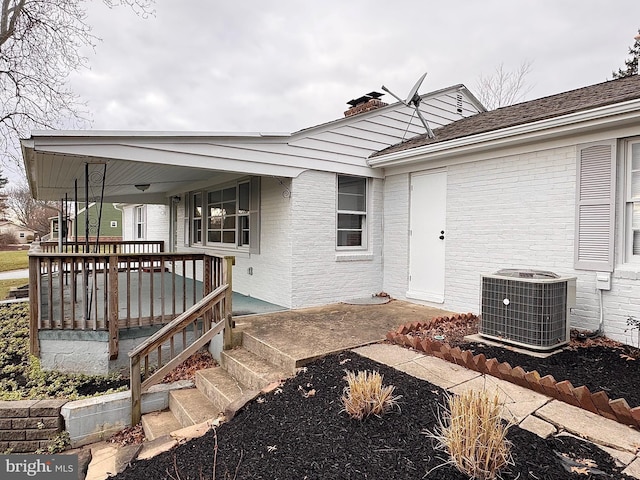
<point x="299" y="431"/>
<point x="613" y="370"/>
<point x="600" y="364"/>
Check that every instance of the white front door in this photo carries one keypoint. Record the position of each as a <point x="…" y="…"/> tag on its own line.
<point x="427" y="235"/>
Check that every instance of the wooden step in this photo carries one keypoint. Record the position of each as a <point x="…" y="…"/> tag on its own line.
<point x="251" y="370"/>
<point x="158" y="424"/>
<point x="190" y="406"/>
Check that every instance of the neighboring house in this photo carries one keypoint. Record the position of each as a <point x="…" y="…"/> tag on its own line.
<point x="145" y="222"/>
<point x="21" y="234"/>
<point x="105" y="224"/>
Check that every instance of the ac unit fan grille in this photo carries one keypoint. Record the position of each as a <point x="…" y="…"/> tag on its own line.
<point x="534" y="315"/>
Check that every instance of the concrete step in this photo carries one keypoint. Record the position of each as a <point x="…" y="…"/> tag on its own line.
<point x="219" y="386"/>
<point x="158" y="424"/>
<point x="269" y="353"/>
<point x="190" y="406"/>
<point x="251" y="370"/>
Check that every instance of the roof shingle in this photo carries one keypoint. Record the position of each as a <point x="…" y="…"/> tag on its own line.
<point x="581" y="99"/>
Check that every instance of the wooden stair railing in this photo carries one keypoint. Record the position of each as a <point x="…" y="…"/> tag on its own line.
<point x="200" y="317"/>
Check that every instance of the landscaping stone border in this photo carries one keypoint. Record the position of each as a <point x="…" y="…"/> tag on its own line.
<point x="598" y="403"/>
<point x="28" y="425"/>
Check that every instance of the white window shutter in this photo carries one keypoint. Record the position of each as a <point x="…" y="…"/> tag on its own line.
<point x="254" y="216"/>
<point x="595" y="207"/>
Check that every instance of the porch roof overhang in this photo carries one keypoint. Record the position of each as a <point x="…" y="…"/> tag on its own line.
<point x="169" y="163"/>
<point x="601" y="121"/>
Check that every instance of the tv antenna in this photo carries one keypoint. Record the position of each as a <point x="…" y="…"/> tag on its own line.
<point x="413" y="100"/>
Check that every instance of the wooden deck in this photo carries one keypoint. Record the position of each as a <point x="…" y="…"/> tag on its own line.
<point x="111" y="291"/>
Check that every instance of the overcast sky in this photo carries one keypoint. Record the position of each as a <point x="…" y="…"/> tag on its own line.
<point x="280" y="66"/>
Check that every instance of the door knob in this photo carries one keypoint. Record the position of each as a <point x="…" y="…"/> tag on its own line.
<point x="441" y="237"/>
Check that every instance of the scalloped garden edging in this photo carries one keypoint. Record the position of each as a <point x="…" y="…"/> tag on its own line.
<point x="598" y="403"/>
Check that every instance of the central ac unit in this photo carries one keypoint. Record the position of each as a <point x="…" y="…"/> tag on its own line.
<point x="527" y="307"/>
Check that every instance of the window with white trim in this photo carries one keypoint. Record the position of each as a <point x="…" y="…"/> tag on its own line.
<point x="351" y="212"/>
<point x="632" y="201"/>
<point x="229" y="217"/>
<point x="139" y="222"/>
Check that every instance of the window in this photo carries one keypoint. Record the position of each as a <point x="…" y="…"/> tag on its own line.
<point x="633" y="201"/>
<point x="196" y="217"/>
<point x="352" y="211"/>
<point x="139" y="221"/>
<point x="231" y="215"/>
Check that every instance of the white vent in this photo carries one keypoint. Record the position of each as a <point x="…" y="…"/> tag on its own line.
<point x="527" y="307"/>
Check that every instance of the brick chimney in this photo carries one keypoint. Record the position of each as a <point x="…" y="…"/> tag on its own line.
<point x="366" y="103"/>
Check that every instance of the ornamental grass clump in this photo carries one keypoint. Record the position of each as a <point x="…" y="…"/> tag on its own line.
<point x="365" y="395"/>
<point x="472" y="432"/>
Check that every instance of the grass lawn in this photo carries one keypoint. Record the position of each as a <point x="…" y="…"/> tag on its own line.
<point x="14" y="260"/>
<point x="5" y="286"/>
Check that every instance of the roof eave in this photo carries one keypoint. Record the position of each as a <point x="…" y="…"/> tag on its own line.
<point x="153" y="134"/>
<point x="596" y="117"/>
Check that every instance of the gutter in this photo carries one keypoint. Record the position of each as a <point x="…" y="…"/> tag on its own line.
<point x="510" y="135"/>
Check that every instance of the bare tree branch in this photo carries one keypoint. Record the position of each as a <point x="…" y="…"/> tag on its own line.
<point x="27" y="211"/>
<point x="504" y="87"/>
<point x="40" y="45"/>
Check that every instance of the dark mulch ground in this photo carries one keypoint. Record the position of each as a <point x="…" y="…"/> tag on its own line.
<point x="612" y="369"/>
<point x="598" y="363"/>
<point x="290" y="434"/>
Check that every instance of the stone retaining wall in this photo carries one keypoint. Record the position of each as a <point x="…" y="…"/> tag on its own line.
<point x="27" y="425"/>
<point x="580" y="396"/>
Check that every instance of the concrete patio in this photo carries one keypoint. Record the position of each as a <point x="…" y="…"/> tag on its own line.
<point x="309" y="333"/>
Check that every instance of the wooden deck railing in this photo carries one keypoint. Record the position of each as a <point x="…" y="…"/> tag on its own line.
<point x="176" y="342"/>
<point x="114" y="291"/>
<point x="105" y="246"/>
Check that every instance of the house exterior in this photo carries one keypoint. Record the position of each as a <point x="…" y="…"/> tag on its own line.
<point x="369" y="203"/>
<point x="301" y="212"/>
<point x="105" y="222"/>
<point x="21" y="234"/>
<point x="552" y="184"/>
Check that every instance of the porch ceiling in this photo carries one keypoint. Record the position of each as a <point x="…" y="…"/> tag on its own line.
<point x="56" y="174"/>
<point x="54" y="162"/>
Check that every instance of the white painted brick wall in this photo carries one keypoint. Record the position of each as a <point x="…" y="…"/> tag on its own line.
<point x="157" y="227"/>
<point x="622" y="302"/>
<point x="271" y="279"/>
<point x="298" y="264"/>
<point x="318" y="274"/>
<point x="510" y="212"/>
<point x="396" y="235"/>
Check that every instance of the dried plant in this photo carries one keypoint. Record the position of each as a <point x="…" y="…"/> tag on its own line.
<point x="473" y="434"/>
<point x="365" y="395"/>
